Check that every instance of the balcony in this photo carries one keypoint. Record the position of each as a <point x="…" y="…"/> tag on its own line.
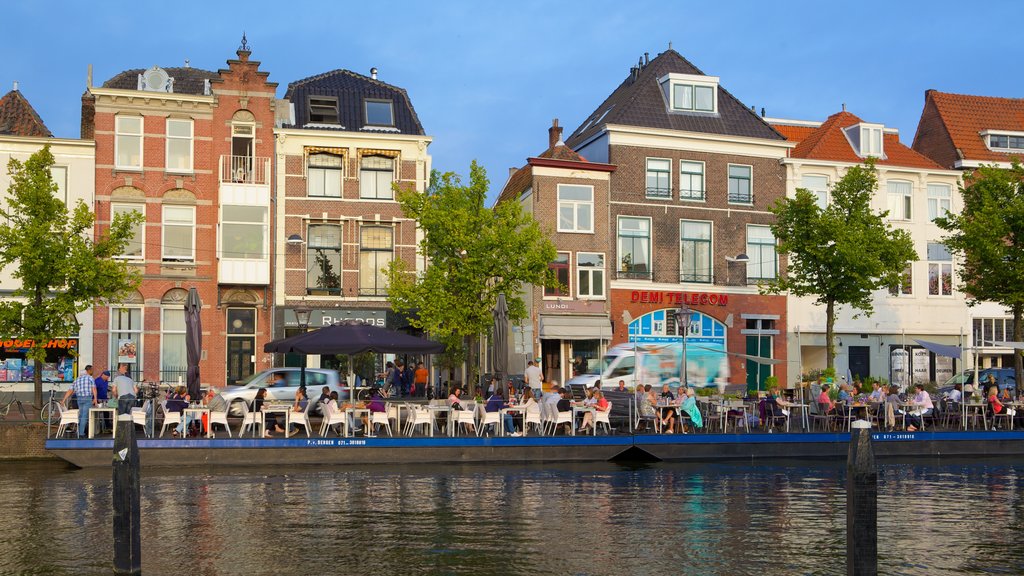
<point x="660" y="192"/>
<point x="245" y="170"/>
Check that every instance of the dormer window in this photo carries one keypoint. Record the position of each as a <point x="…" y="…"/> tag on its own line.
<point x="690" y="92"/>
<point x="866" y="139"/>
<point x="1004" y="141"/>
<point x="378" y="113"/>
<point x="323" y="110"/>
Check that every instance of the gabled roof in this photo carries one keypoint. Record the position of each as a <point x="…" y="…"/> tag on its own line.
<point x="829" y="142"/>
<point x="639" y="102"/>
<point x="186" y="80"/>
<point x="19" y="118"/>
<point x="557" y="156"/>
<point x="958" y="119"/>
<point x="351" y="91"/>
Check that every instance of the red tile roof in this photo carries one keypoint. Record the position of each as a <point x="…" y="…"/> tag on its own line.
<point x="964" y="116"/>
<point x="18" y="118"/>
<point x="793" y="133"/>
<point x="829" y="142"/>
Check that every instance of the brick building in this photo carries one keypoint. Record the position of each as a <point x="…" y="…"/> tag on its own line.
<point x="927" y="306"/>
<point x="696" y="172"/>
<point x="962" y="132"/>
<point x="571" y="321"/>
<point x="190" y="149"/>
<point x="347" y="139"/>
<point x="23" y="133"/>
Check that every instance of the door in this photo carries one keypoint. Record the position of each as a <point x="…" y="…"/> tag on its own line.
<point x="551" y="360"/>
<point x="761" y="347"/>
<point x="240" y="354"/>
<point x="860" y="362"/>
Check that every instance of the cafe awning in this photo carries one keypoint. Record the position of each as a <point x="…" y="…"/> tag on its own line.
<point x="575" y="327"/>
<point x="940" y="349"/>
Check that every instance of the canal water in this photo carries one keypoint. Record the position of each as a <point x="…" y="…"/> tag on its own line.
<point x="710" y="519"/>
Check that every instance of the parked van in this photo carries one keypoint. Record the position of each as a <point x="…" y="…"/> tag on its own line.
<point x="1005" y="378"/>
<point x="656" y="364"/>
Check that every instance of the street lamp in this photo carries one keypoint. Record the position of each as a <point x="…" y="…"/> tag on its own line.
<point x="684" y="318"/>
<point x="302" y="313"/>
<point x="741" y="257"/>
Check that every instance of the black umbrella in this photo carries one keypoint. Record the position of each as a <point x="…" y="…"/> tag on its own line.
<point x="193" y="340"/>
<point x="352" y="338"/>
<point x="500" y="338"/>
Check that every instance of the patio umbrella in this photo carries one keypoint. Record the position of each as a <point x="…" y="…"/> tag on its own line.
<point x="500" y="338"/>
<point x="352" y="338"/>
<point x="193" y="340"/>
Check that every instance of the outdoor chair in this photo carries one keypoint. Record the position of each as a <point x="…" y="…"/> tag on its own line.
<point x="251" y="420"/>
<point x="333" y="417"/>
<point x="487" y="419"/>
<point x="1004" y="415"/>
<point x="774" y="416"/>
<point x="559" y="419"/>
<point x="219" y="418"/>
<point x="532" y="416"/>
<point x="302" y="418"/>
<point x="382" y="419"/>
<point x="171" y="419"/>
<point x="710" y="414"/>
<point x="68" y="418"/>
<point x="417" y="417"/>
<point x="604" y="418"/>
<point x="139" y="417"/>
<point x="466" y="419"/>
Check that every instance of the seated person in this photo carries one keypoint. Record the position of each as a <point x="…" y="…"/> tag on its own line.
<point x="564" y="404"/>
<point x="325" y="395"/>
<point x="495" y="404"/>
<point x="376" y="404"/>
<point x="689" y="407"/>
<point x="455" y="399"/>
<point x="600" y="404"/>
<point x="825" y="403"/>
<point x="301" y="400"/>
<point x="923" y="408"/>
<point x="668" y="414"/>
<point x="269" y="422"/>
<point x="995" y="405"/>
<point x="176" y="402"/>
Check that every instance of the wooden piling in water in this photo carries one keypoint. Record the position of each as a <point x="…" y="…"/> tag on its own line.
<point x="127" y="534"/>
<point x="861" y="503"/>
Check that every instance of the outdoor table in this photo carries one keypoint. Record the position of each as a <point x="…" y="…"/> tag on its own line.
<point x="101" y="410"/>
<point x="973" y="408"/>
<point x="356" y="413"/>
<point x="850" y="409"/>
<point x="804" y="419"/>
<point x="435" y="411"/>
<point x="198" y="412"/>
<point x="906" y="408"/>
<point x="285" y="409"/>
<point x="740" y="407"/>
<point x="582" y="410"/>
<point x="508" y="410"/>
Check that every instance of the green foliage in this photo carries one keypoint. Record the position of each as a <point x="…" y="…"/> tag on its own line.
<point x="842" y="254"/>
<point x="474" y="254"/>
<point x="51" y="251"/>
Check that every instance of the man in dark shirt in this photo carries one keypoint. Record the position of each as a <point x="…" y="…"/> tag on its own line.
<point x="102" y="396"/>
<point x="565" y="404"/>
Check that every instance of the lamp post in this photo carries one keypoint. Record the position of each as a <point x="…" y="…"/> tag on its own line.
<point x="684" y="318"/>
<point x="741" y="257"/>
<point x="302" y="313"/>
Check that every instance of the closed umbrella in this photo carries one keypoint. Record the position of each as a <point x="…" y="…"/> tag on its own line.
<point x="500" y="338"/>
<point x="193" y="340"/>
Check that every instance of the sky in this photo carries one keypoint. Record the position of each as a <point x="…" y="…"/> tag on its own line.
<point x="487" y="78"/>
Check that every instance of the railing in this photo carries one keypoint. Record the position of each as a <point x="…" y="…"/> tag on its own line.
<point x="634" y="274"/>
<point x="245" y="169"/>
<point x="657" y="192"/>
<point x="702" y="277"/>
<point x="741" y="197"/>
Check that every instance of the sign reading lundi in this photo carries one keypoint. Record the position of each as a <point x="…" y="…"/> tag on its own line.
<point x="677" y="298"/>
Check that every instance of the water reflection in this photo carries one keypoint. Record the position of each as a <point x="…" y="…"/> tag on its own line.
<point x="783" y="518"/>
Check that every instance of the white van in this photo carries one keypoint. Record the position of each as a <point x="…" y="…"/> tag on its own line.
<point x="657" y="364"/>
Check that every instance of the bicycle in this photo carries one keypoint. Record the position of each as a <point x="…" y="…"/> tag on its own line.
<point x="6" y="403"/>
<point x="50" y="412"/>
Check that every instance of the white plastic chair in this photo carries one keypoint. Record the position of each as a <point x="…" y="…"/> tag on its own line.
<point x="547" y="418"/>
<point x="171" y="419"/>
<point x="465" y="418"/>
<point x="67" y="418"/>
<point x="418" y="417"/>
<point x="486" y="419"/>
<point x="333" y="417"/>
<point x="603" y="418"/>
<point x="382" y="419"/>
<point x="219" y="418"/>
<point x="139" y="417"/>
<point x="532" y="416"/>
<point x="302" y="418"/>
<point x="252" y="420"/>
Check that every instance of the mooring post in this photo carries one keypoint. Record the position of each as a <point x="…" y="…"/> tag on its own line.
<point x="861" y="503"/>
<point x="127" y="536"/>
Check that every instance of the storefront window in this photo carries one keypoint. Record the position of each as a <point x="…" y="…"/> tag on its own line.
<point x="59" y="366"/>
<point x="126" y="339"/>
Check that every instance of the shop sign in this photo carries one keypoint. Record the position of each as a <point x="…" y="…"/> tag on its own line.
<point x="319" y="318"/>
<point x="677" y="298"/>
<point x="26" y="343"/>
<point x="572" y="306"/>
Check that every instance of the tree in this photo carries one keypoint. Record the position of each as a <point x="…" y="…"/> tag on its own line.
<point x="842" y="254"/>
<point x="62" y="270"/>
<point x="474" y="253"/>
<point x="988" y="238"/>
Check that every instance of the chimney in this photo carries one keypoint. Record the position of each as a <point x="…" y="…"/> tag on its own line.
<point x="88" y="125"/>
<point x="15" y="85"/>
<point x="554" y="134"/>
<point x="762" y="111"/>
<point x="373" y="73"/>
<point x="647" y="59"/>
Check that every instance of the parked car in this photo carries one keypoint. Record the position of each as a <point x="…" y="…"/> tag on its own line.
<point x="316" y="379"/>
<point x="1005" y="378"/>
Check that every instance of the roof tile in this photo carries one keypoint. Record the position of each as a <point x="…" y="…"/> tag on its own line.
<point x="965" y="116"/>
<point x="19" y="118"/>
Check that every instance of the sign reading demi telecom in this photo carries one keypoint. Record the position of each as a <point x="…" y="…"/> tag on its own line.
<point x="677" y="298"/>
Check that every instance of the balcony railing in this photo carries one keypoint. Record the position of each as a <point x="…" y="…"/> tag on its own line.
<point x="659" y="192"/>
<point x="245" y="169"/>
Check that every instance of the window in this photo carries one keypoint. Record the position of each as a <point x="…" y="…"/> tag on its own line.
<point x="763" y="263"/>
<point x="323" y="175"/>
<point x="126" y="338"/>
<point x="1006" y="142"/>
<point x="243" y="232"/>
<point x="939" y="200"/>
<point x="560" y="268"/>
<point x="817" y="185"/>
<point x="940" y="270"/>
<point x="900" y="199"/>
<point x="589" y="275"/>
<point x="128" y="142"/>
<point x="575" y="208"/>
<point x="870" y="141"/>
<point x="179" y="145"/>
<point x="634" y="247"/>
<point x="173" y="360"/>
<point x="323" y="110"/>
<point x="378" y="113"/>
<point x="323" y="259"/>
<point x="695" y="251"/>
<point x="659" y="178"/>
<point x="375" y="176"/>
<point x="693" y="97"/>
<point x="133" y="250"/>
<point x="691" y="180"/>
<point x="739" y="184"/>
<point x="59" y="174"/>
<point x="179" y="233"/>
<point x="375" y="251"/>
<point x="905" y="287"/>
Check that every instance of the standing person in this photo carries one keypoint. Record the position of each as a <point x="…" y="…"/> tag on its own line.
<point x="102" y="396"/>
<point x="407" y="378"/>
<point x="84" y="390"/>
<point x="125" y="387"/>
<point x="534" y="378"/>
<point x="420" y="379"/>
